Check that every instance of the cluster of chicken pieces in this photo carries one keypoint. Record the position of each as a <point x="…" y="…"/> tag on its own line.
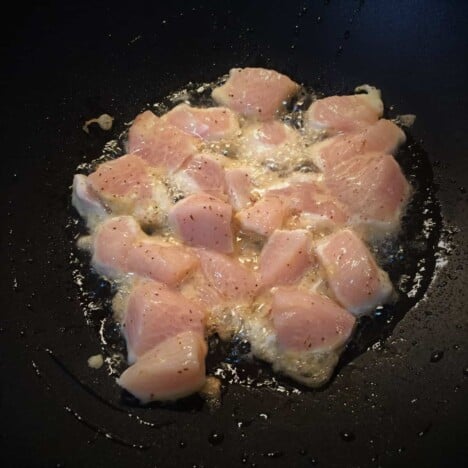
<point x="232" y="220"/>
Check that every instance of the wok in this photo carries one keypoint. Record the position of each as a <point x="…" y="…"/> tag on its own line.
<point x="401" y="402"/>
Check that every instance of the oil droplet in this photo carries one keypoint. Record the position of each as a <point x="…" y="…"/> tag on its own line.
<point x="275" y="454"/>
<point x="215" y="438"/>
<point x="436" y="356"/>
<point x="347" y="436"/>
<point x="244" y="458"/>
<point x="182" y="444"/>
<point x="313" y="461"/>
<point x="319" y="19"/>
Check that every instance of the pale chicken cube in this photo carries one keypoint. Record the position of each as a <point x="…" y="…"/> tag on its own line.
<point x="239" y="187"/>
<point x="336" y="114"/>
<point x="230" y="278"/>
<point x="374" y="189"/>
<point x="209" y="123"/>
<point x="203" y="220"/>
<point x="353" y="276"/>
<point x="285" y="257"/>
<point x="201" y="173"/>
<point x="382" y="137"/>
<point x="127" y="185"/>
<point x="155" y="312"/>
<point x="159" y="143"/>
<point x="264" y="216"/>
<point x="171" y="370"/>
<point x="256" y="92"/>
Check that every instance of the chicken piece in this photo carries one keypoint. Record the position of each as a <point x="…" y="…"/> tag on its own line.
<point x="112" y="242"/>
<point x="305" y="321"/>
<point x="210" y="124"/>
<point x="127" y="185"/>
<point x="121" y="247"/>
<point x="255" y="92"/>
<point x="171" y="370"/>
<point x="262" y="218"/>
<point x="239" y="187"/>
<point x="272" y="140"/>
<point x="86" y="201"/>
<point x="161" y="261"/>
<point x="284" y="257"/>
<point x="382" y="137"/>
<point x="373" y="188"/>
<point x="159" y="143"/>
<point x="345" y="113"/>
<point x="203" y="220"/>
<point x="228" y="276"/>
<point x="201" y="173"/>
<point x="154" y="313"/>
<point x="358" y="284"/>
<point x="311" y="202"/>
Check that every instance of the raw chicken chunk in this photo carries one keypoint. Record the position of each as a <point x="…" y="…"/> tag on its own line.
<point x="255" y="92"/>
<point x="262" y="218"/>
<point x="171" y="370"/>
<point x="228" y="276"/>
<point x="201" y="173"/>
<point x="373" y="188"/>
<point x="345" y="113"/>
<point x="306" y="321"/>
<point x="210" y="124"/>
<point x="239" y="187"/>
<point x="203" y="220"/>
<point x="357" y="282"/>
<point x="127" y="185"/>
<point x="120" y="247"/>
<point x="284" y="257"/>
<point x="159" y="143"/>
<point x="381" y="137"/>
<point x="154" y="313"/>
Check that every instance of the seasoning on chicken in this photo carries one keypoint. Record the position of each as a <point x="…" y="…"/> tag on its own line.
<point x="203" y="220"/>
<point x="358" y="284"/>
<point x="239" y="187"/>
<point x="256" y="92"/>
<point x="173" y="369"/>
<point x="155" y="312"/>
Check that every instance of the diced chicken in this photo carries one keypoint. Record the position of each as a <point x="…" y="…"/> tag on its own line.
<point x="239" y="187"/>
<point x="112" y="242"/>
<point x="173" y="369"/>
<point x="284" y="257"/>
<point x="313" y="204"/>
<point x="305" y="321"/>
<point x="86" y="201"/>
<point x="127" y="185"/>
<point x="201" y="173"/>
<point x="381" y="137"/>
<point x="120" y="247"/>
<point x="255" y="92"/>
<point x="228" y="276"/>
<point x="345" y="113"/>
<point x="154" y="313"/>
<point x="159" y="143"/>
<point x="161" y="261"/>
<point x="262" y="218"/>
<point x="210" y="124"/>
<point x="357" y="282"/>
<point x="373" y="188"/>
<point x="204" y="221"/>
<point x="272" y="140"/>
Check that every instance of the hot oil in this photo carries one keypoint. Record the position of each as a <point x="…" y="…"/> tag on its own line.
<point x="409" y="256"/>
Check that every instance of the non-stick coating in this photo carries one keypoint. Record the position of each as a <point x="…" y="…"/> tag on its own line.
<point x="391" y="406"/>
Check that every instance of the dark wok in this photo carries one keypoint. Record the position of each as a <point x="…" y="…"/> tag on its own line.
<point x="399" y="404"/>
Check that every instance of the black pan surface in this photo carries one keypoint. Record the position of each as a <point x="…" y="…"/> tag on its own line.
<point x="400" y="403"/>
